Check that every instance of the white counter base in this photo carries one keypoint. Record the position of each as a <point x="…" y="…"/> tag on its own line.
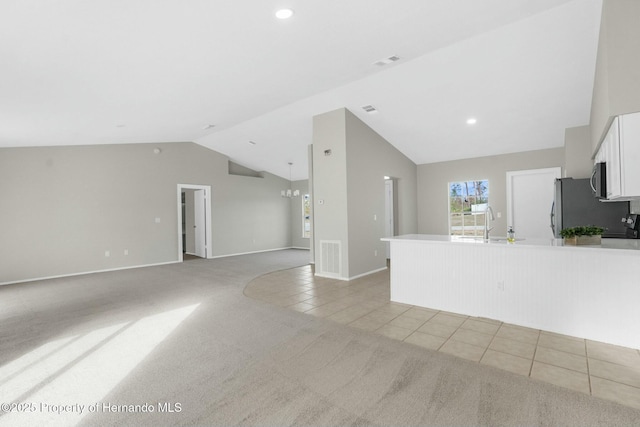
<point x="591" y="293"/>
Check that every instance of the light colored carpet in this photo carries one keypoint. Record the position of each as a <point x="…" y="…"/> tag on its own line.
<point x="238" y="361"/>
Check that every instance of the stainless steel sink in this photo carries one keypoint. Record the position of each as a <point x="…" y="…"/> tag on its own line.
<point x="503" y="239"/>
<point x="496" y="239"/>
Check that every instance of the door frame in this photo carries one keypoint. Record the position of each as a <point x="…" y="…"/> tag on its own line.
<point x="389" y="211"/>
<point x="557" y="171"/>
<point x="207" y="233"/>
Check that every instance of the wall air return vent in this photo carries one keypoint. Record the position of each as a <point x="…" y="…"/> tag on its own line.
<point x="330" y="258"/>
<point x="386" y="61"/>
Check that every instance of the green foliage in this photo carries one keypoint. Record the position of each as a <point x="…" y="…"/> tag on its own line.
<point x="585" y="230"/>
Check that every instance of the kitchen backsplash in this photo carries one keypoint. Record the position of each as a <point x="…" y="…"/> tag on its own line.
<point x="634" y="206"/>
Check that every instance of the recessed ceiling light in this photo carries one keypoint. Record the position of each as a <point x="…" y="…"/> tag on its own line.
<point x="284" y="14"/>
<point x="472" y="121"/>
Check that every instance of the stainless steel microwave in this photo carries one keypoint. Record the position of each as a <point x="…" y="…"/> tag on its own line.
<point x="599" y="180"/>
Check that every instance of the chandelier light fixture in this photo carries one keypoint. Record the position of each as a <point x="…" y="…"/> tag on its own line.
<point x="288" y="192"/>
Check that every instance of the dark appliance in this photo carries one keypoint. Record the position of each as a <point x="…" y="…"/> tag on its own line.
<point x="633" y="226"/>
<point x="599" y="180"/>
<point x="574" y="206"/>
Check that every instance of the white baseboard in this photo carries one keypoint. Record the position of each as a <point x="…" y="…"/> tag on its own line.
<point x="346" y="279"/>
<point x="255" y="252"/>
<point x="368" y="273"/>
<point x="35" y="279"/>
<point x="87" y="272"/>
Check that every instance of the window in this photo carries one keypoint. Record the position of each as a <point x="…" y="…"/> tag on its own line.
<point x="306" y="216"/>
<point x="468" y="201"/>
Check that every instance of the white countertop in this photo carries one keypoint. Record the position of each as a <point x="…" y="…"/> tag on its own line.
<point x="620" y="244"/>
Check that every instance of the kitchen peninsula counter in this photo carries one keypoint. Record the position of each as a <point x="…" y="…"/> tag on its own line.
<point x="591" y="292"/>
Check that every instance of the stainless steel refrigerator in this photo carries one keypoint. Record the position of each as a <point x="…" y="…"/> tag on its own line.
<point x="575" y="205"/>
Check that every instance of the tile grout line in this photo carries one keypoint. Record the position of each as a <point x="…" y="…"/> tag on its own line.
<point x="490" y="342"/>
<point x="452" y="334"/>
<point x="535" y="350"/>
<point x="586" y="354"/>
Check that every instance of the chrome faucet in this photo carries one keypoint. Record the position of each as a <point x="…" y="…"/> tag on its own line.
<point x="488" y="216"/>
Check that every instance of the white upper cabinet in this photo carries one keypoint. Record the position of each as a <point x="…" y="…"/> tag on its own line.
<point x="630" y="155"/>
<point x="620" y="150"/>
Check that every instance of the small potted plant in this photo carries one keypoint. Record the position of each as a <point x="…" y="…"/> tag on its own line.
<point x="583" y="235"/>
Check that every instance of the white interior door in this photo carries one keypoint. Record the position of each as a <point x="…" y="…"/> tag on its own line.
<point x="199" y="223"/>
<point x="530" y="194"/>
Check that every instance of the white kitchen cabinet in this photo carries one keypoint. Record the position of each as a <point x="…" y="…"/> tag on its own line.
<point x="620" y="150"/>
<point x="630" y="155"/>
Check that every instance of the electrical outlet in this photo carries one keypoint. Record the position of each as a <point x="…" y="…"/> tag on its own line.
<point x="107" y="253"/>
<point x="375" y="253"/>
<point x="501" y="286"/>
<point x="126" y="251"/>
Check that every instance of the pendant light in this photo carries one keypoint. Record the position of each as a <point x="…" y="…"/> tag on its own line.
<point x="288" y="192"/>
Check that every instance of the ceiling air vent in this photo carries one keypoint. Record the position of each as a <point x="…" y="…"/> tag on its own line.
<point x="370" y="109"/>
<point x="387" y="61"/>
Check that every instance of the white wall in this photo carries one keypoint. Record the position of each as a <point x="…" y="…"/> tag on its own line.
<point x="61" y="208"/>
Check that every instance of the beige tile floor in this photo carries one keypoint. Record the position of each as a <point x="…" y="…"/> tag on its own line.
<point x="590" y="367"/>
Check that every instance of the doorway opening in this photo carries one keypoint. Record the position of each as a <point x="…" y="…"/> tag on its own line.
<point x="194" y="222"/>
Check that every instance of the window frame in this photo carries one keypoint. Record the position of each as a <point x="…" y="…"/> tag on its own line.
<point x="306" y="209"/>
<point x="481" y="192"/>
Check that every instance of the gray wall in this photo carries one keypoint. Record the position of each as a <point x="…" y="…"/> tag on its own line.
<point x="63" y="207"/>
<point x="351" y="184"/>
<point x="433" y="180"/>
<point x="577" y="152"/>
<point x="617" y="86"/>
<point x="369" y="159"/>
<point x="330" y="184"/>
<point x="297" y="241"/>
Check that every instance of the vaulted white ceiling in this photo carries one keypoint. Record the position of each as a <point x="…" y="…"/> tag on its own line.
<point x="129" y="71"/>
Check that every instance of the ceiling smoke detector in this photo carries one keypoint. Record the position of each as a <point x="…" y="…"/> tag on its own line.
<point x="386" y="61"/>
<point x="370" y="109"/>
